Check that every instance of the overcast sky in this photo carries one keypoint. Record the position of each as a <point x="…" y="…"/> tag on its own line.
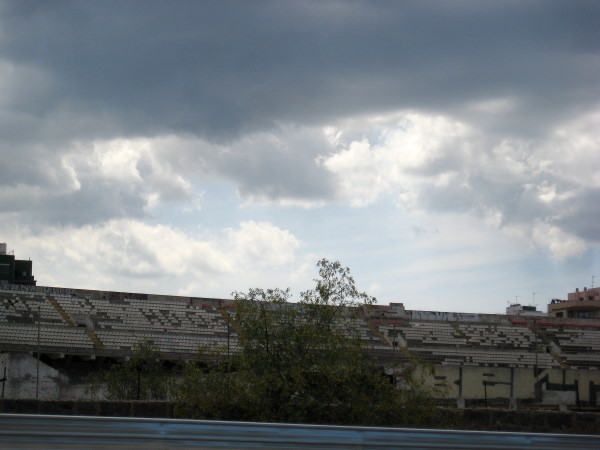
<point x="447" y="152"/>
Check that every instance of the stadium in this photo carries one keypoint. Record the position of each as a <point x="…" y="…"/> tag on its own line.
<point x="51" y="337"/>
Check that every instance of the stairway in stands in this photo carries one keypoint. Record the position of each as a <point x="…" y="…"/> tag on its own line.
<point x="62" y="312"/>
<point x="548" y="342"/>
<point x="377" y="332"/>
<point x="95" y="339"/>
<point x="460" y="333"/>
<point x="67" y="318"/>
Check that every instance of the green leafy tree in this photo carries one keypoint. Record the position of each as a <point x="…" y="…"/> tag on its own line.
<point x="302" y="362"/>
<point x="142" y="377"/>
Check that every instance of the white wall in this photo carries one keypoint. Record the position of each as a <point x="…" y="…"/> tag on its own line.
<point x="21" y="370"/>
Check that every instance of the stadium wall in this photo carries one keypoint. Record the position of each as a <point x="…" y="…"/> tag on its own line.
<point x="501" y="384"/>
<point x="20" y="378"/>
<point x="474" y="385"/>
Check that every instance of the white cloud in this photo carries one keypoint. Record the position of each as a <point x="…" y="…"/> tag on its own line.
<point x="364" y="176"/>
<point x="135" y="163"/>
<point x="457" y="245"/>
<point x="262" y="244"/>
<point x="393" y="158"/>
<point x="561" y="245"/>
<point x="90" y="182"/>
<point x="438" y="164"/>
<point x="133" y="256"/>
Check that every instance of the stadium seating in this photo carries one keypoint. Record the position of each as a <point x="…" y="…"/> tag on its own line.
<point x="432" y="333"/>
<point x="109" y="323"/>
<point x="73" y="323"/>
<point x="579" y="345"/>
<point x="499" y="336"/>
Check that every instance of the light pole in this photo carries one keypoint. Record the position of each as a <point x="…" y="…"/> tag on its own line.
<point x="535" y="369"/>
<point x="228" y="338"/>
<point x="37" y="368"/>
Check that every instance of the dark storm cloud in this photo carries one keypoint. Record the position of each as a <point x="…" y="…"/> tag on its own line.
<point x="581" y="215"/>
<point x="221" y="71"/>
<point x="90" y="203"/>
<point x="267" y="168"/>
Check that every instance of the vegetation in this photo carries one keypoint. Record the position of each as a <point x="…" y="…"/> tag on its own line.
<point x="143" y="377"/>
<point x="299" y="362"/>
<point x="302" y="362"/>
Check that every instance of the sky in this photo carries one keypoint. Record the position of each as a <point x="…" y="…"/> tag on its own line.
<point x="448" y="152"/>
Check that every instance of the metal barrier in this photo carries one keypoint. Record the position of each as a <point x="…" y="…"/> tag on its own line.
<point x="41" y="431"/>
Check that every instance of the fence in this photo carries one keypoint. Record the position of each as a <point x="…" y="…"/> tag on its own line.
<point x="94" y="432"/>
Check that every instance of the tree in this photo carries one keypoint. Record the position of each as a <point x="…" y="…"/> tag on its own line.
<point x="143" y="377"/>
<point x="302" y="362"/>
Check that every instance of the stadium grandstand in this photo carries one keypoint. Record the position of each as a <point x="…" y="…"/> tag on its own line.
<point x="51" y="337"/>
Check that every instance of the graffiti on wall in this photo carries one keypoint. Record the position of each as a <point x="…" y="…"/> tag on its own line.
<point x="126" y="296"/>
<point x="55" y="290"/>
<point x="16" y="287"/>
<point x="440" y="315"/>
<point x="41" y="289"/>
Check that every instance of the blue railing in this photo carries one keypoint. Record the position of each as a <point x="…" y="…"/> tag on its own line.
<point x="48" y="431"/>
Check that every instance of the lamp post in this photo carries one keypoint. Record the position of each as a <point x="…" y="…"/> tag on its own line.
<point x="535" y="369"/>
<point x="3" y="380"/>
<point x="37" y="368"/>
<point x="228" y="337"/>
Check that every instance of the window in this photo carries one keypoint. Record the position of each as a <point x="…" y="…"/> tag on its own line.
<point x="4" y="268"/>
